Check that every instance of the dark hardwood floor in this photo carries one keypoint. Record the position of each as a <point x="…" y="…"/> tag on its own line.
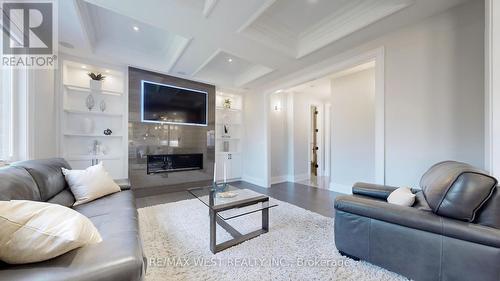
<point x="308" y="197"/>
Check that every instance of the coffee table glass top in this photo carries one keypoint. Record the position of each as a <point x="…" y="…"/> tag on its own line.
<point x="232" y="202"/>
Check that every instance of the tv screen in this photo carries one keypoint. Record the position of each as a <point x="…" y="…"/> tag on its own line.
<point x="173" y="105"/>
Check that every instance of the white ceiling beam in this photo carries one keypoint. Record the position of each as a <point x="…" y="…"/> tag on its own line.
<point x="208" y="7"/>
<point x="86" y="25"/>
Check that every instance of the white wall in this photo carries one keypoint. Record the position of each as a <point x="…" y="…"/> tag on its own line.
<point x="279" y="137"/>
<point x="434" y="81"/>
<point x="434" y="92"/>
<point x="353" y="129"/>
<point x="255" y="151"/>
<point x="42" y="92"/>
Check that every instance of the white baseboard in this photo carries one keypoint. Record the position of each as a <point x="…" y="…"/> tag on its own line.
<point x="256" y="181"/>
<point x="300" y="177"/>
<point x="279" y="179"/>
<point x="341" y="188"/>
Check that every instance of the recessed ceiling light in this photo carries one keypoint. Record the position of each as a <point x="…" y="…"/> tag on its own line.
<point x="107" y="71"/>
<point x="136" y="28"/>
<point x="229" y="60"/>
<point x="279" y="91"/>
<point x="84" y="66"/>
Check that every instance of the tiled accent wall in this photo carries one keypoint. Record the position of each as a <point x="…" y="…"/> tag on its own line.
<point x="147" y="138"/>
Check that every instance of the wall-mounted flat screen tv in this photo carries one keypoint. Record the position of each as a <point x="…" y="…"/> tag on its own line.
<point x="169" y="104"/>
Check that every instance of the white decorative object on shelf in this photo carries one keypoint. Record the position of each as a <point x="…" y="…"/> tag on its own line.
<point x="95" y="85"/>
<point x="87" y="125"/>
<point x="90" y="102"/>
<point x="102" y="106"/>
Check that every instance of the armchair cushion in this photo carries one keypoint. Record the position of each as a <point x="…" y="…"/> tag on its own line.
<point x="456" y="190"/>
<point x="489" y="215"/>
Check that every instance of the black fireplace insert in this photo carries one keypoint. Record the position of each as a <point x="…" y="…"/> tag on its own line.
<point x="165" y="163"/>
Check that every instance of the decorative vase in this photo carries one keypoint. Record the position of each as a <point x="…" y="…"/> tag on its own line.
<point x="226" y="133"/>
<point x="102" y="106"/>
<point x="87" y="125"/>
<point x="90" y="102"/>
<point x="95" y="85"/>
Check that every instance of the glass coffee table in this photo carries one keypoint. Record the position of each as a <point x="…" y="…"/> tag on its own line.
<point x="229" y="203"/>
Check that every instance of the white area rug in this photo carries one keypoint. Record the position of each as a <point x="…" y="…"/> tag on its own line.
<point x="299" y="246"/>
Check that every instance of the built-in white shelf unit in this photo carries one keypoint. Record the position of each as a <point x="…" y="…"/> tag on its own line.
<point x="228" y="135"/>
<point x="80" y="128"/>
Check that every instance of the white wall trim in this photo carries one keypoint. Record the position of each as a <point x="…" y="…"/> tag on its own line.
<point x="279" y="179"/>
<point x="256" y="181"/>
<point x="301" y="177"/>
<point x="492" y="88"/>
<point x="379" y="57"/>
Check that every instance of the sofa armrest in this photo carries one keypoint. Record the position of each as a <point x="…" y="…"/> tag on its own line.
<point x="372" y="190"/>
<point x="418" y="219"/>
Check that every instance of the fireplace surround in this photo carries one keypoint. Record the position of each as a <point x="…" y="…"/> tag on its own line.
<point x="168" y="156"/>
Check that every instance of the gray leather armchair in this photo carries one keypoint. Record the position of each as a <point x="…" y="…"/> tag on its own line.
<point x="452" y="232"/>
<point x="118" y="257"/>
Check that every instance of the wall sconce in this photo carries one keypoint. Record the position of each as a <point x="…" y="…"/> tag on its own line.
<point x="277" y="106"/>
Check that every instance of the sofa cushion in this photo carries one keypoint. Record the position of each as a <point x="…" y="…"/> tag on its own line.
<point x="456" y="190"/>
<point x="64" y="198"/>
<point x="117" y="257"/>
<point x="489" y="215"/>
<point x="47" y="175"/>
<point x="17" y="184"/>
<point x="90" y="184"/>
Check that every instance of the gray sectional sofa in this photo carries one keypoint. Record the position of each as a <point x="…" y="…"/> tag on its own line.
<point x="118" y="257"/>
<point x="451" y="233"/>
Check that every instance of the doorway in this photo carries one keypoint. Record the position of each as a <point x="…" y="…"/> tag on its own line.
<point x="310" y="91"/>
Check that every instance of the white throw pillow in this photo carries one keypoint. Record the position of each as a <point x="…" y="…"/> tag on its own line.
<point x="33" y="231"/>
<point x="402" y="196"/>
<point x="90" y="184"/>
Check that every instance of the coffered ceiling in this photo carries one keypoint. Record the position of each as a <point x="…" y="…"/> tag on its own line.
<point x="300" y="27"/>
<point x="234" y="44"/>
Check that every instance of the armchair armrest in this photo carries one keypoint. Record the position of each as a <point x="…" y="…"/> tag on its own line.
<point x="418" y="219"/>
<point x="377" y="191"/>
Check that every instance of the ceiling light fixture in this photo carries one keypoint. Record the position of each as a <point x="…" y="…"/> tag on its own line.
<point x="107" y="71"/>
<point x="278" y="91"/>
<point x="136" y="28"/>
<point x="229" y="60"/>
<point x="84" y="66"/>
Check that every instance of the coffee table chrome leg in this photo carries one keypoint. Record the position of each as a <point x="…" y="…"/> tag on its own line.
<point x="213" y="234"/>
